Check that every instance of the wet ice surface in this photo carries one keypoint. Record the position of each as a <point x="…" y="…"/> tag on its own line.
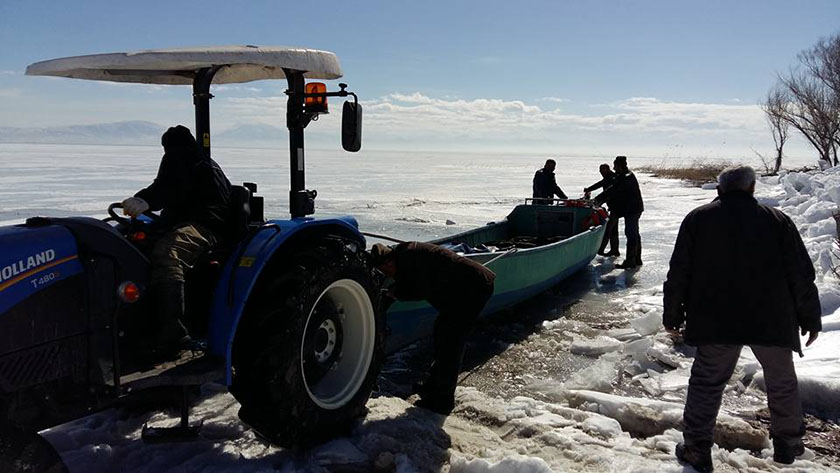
<point x="578" y="379"/>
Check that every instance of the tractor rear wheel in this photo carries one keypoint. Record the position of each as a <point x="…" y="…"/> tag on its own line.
<point x="309" y="347"/>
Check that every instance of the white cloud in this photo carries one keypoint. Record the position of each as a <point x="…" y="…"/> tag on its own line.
<point x="8" y="73"/>
<point x="427" y="122"/>
<point x="553" y="99"/>
<point x="228" y="88"/>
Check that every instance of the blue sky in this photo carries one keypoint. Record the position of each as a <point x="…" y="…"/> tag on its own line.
<point x="670" y="78"/>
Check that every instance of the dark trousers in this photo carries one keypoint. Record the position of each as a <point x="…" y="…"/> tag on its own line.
<point x="172" y="256"/>
<point x="177" y="251"/>
<point x="610" y="236"/>
<point x="634" y="240"/>
<point x="712" y="368"/>
<point x="452" y="327"/>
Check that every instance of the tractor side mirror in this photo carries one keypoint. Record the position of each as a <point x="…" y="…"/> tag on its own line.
<point x="351" y="126"/>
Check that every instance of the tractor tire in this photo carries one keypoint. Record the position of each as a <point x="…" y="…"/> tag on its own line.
<point x="310" y="346"/>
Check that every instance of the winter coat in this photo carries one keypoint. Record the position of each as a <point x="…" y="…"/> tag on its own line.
<point x="740" y="274"/>
<point x="545" y="186"/>
<point x="189" y="188"/>
<point x="624" y="196"/>
<point x="440" y="276"/>
<point x="606" y="183"/>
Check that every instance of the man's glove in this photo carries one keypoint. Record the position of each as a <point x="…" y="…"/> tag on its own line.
<point x="134" y="206"/>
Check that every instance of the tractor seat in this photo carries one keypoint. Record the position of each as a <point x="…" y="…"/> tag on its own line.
<point x="245" y="209"/>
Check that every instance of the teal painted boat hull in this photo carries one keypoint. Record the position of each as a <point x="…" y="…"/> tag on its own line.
<point x="521" y="274"/>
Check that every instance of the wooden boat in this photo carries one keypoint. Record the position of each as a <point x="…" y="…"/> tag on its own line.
<point x="536" y="247"/>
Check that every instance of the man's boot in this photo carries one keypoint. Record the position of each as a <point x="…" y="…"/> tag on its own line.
<point x="700" y="457"/>
<point x="630" y="260"/>
<point x="172" y="335"/>
<point x="603" y="247"/>
<point x="786" y="453"/>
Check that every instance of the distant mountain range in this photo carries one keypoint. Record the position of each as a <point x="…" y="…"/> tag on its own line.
<point x="134" y="133"/>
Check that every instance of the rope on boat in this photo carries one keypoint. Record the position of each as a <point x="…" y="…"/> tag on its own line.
<point x="508" y="252"/>
<point x="382" y="237"/>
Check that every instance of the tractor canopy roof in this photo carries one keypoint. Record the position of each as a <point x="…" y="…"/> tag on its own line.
<point x="180" y="66"/>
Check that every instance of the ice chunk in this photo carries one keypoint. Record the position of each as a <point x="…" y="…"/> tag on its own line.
<point x="623" y="334"/>
<point x="674" y="380"/>
<point x="833" y="192"/>
<point x="638" y="349"/>
<point x="599" y="377"/>
<point x="650" y="385"/>
<point x="663" y="355"/>
<point x="511" y="464"/>
<point x="602" y="426"/>
<point x="647" y="325"/>
<point x="595" y="346"/>
<point x="648" y="417"/>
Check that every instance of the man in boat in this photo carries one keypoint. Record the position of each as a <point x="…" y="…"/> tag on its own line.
<point x="625" y="201"/>
<point x="457" y="287"/>
<point x="194" y="196"/>
<point x="545" y="185"/>
<point x="740" y="275"/>
<point x="611" y="232"/>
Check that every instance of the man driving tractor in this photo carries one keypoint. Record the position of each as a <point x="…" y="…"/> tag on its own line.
<point x="194" y="195"/>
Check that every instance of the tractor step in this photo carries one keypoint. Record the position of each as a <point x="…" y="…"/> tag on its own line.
<point x="191" y="368"/>
<point x="183" y="432"/>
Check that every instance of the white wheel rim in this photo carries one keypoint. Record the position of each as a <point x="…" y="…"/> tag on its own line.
<point x="341" y="383"/>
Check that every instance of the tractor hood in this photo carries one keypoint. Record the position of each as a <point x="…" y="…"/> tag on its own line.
<point x="179" y="66"/>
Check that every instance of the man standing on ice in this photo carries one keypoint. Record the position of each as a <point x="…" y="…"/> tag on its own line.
<point x="625" y="201"/>
<point x="545" y="185"/>
<point x="740" y="275"/>
<point x="457" y="287"/>
<point x="194" y="195"/>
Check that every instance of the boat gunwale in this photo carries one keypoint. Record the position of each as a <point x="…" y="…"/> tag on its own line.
<point x="519" y="251"/>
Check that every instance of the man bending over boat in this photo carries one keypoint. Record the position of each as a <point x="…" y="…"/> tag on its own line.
<point x="611" y="233"/>
<point x="457" y="287"/>
<point x="545" y="185"/>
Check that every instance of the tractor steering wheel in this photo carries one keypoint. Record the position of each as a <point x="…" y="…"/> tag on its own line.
<point x="125" y="220"/>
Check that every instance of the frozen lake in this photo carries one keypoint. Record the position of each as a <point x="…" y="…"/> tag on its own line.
<point x="410" y="195"/>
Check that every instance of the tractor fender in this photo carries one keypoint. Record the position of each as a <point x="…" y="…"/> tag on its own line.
<point x="245" y="266"/>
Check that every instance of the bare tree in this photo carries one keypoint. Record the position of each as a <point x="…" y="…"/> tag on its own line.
<point x="823" y="61"/>
<point x="813" y="97"/>
<point x="814" y="110"/>
<point x="775" y="107"/>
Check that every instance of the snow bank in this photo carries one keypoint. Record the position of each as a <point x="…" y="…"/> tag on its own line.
<point x="811" y="199"/>
<point x="649" y="417"/>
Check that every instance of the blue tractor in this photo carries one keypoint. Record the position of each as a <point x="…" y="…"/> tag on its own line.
<point x="289" y="308"/>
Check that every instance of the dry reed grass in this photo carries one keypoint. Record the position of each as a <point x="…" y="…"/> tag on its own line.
<point x="696" y="173"/>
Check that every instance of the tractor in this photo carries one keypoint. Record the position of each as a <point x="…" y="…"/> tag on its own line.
<point x="288" y="308"/>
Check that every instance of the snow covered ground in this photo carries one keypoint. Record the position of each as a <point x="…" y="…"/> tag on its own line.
<point x="617" y="410"/>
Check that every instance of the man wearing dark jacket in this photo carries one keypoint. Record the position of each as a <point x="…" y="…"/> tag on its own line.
<point x="740" y="275"/>
<point x="457" y="287"/>
<point x="194" y="196"/>
<point x="545" y="185"/>
<point x="611" y="232"/>
<point x="625" y="201"/>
